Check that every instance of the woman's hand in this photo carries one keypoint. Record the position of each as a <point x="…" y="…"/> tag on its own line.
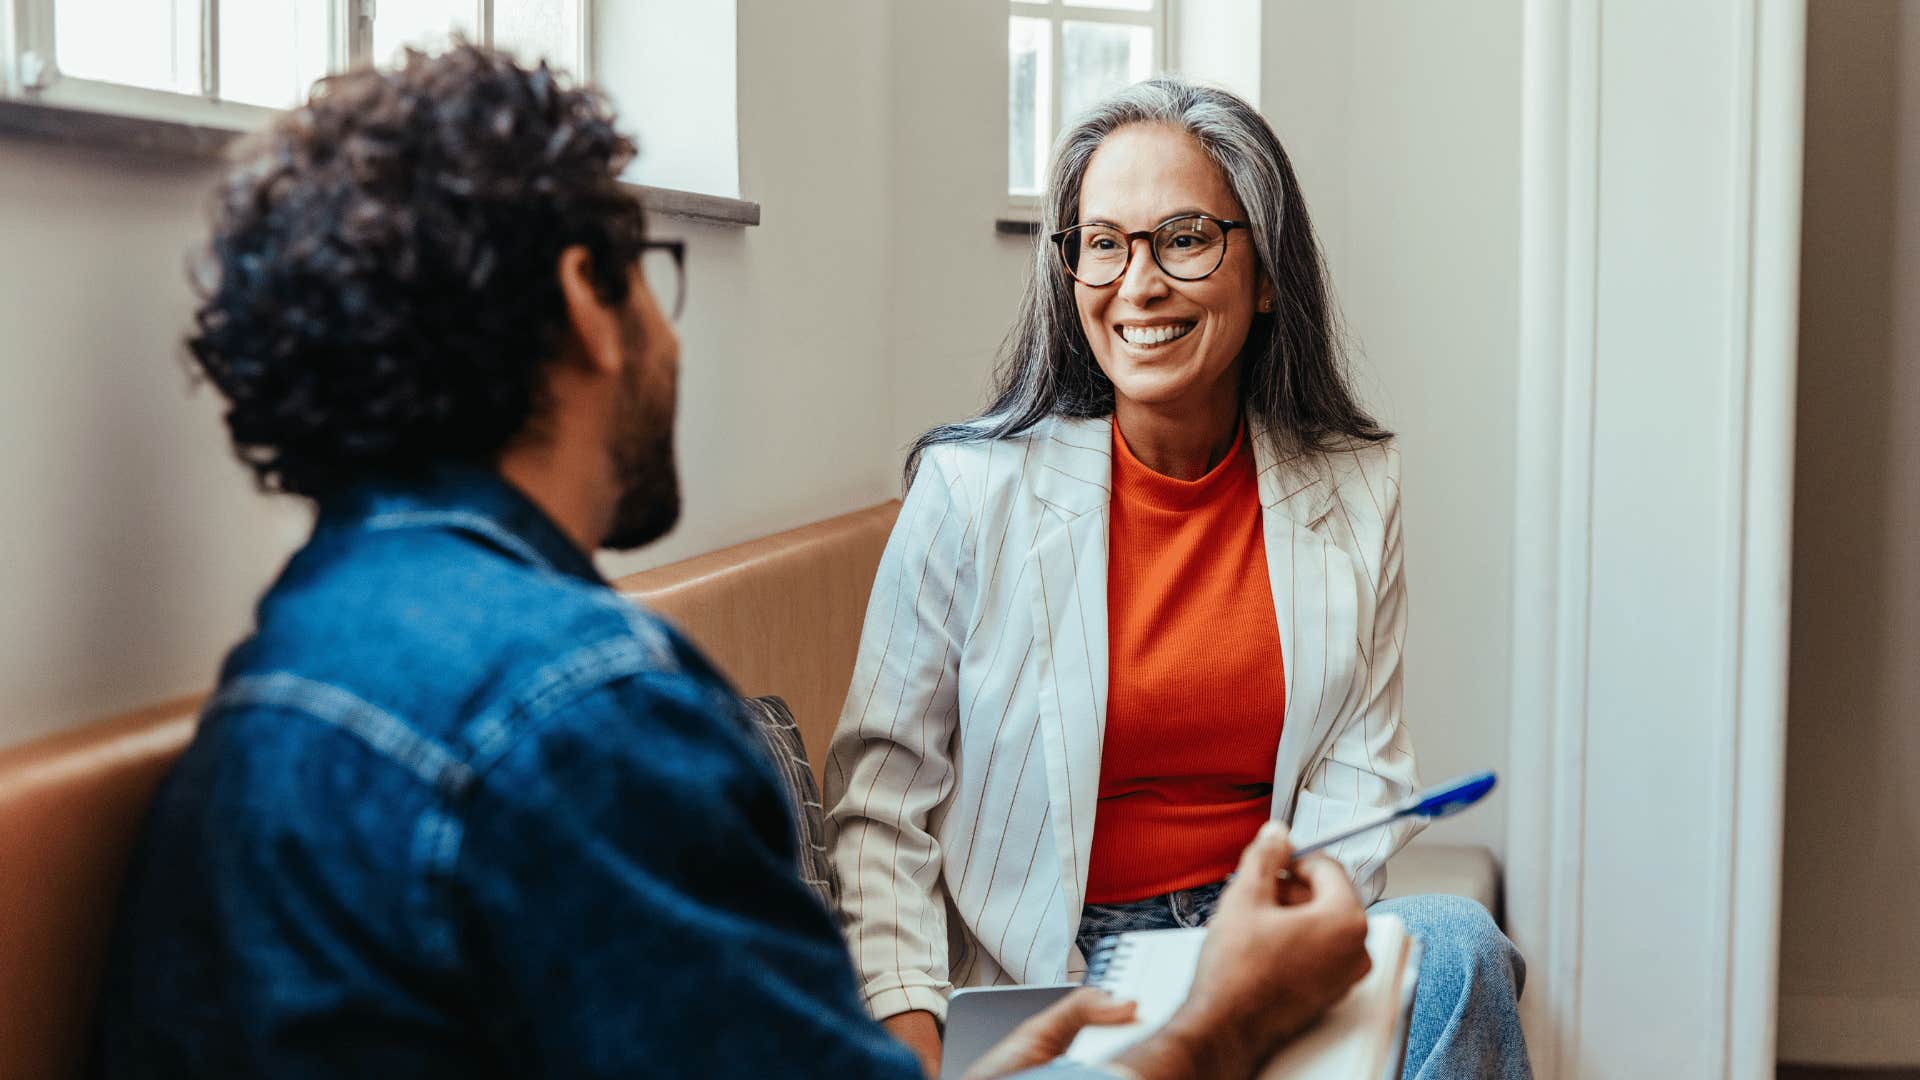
<point x="1047" y="1034"/>
<point x="921" y="1034"/>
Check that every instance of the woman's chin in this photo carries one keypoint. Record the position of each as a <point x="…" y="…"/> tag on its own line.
<point x="1153" y="387"/>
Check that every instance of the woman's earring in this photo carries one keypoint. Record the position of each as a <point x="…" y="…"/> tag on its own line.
<point x="1266" y="305"/>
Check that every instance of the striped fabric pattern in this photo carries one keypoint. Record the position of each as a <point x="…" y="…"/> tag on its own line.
<point x="779" y="736"/>
<point x="962" y="779"/>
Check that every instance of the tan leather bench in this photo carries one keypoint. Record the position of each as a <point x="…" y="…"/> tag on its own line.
<point x="781" y="615"/>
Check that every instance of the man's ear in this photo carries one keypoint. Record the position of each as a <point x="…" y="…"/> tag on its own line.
<point x="592" y="333"/>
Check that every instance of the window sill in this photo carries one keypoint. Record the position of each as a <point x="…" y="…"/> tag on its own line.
<point x="1016" y="226"/>
<point x="179" y="139"/>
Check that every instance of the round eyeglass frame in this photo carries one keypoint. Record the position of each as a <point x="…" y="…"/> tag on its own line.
<point x="677" y="249"/>
<point x="1227" y="226"/>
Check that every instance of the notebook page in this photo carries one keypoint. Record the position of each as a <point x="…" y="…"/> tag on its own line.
<point x="1355" y="1037"/>
<point x="1154" y="968"/>
<point x="1151" y="968"/>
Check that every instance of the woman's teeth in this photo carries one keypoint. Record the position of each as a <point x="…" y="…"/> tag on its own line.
<point x="1155" y="335"/>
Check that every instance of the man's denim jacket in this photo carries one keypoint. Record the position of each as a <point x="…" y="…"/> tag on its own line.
<point x="457" y="809"/>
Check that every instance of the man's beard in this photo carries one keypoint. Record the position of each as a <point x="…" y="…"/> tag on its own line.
<point x="643" y="462"/>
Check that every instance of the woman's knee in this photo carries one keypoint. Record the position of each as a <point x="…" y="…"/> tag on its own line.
<point x="1460" y="934"/>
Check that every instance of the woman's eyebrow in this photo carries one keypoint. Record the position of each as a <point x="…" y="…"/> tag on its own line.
<point x="1186" y="211"/>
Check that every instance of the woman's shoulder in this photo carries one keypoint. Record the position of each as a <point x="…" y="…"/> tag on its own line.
<point x="1363" y="463"/>
<point x="1361" y="474"/>
<point x="973" y="450"/>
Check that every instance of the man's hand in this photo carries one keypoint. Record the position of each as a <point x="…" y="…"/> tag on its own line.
<point x="921" y="1034"/>
<point x="1047" y="1034"/>
<point x="1278" y="953"/>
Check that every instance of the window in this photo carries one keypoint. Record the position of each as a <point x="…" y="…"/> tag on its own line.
<point x="224" y="63"/>
<point x="1063" y="56"/>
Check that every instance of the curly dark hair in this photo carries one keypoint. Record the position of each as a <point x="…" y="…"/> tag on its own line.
<point x="381" y="292"/>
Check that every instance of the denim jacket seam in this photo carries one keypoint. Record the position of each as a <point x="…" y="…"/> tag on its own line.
<point x="437" y="831"/>
<point x="641" y="648"/>
<point x="465" y="519"/>
<point x="393" y="739"/>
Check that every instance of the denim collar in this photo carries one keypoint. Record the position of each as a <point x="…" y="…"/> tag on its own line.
<point x="464" y="498"/>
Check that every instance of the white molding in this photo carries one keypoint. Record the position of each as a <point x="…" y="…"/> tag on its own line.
<point x="1553" y="606"/>
<point x="1552" y="551"/>
<point x="1841" y="1029"/>
<point x="1777" y="106"/>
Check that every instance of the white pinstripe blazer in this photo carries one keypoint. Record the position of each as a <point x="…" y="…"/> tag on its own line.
<point x="963" y="775"/>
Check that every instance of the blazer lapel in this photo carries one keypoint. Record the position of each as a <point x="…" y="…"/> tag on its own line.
<point x="1068" y="583"/>
<point x="1315" y="601"/>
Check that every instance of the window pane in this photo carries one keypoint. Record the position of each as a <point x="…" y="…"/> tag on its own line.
<point x="1115" y="5"/>
<point x="424" y="24"/>
<point x="1100" y="58"/>
<point x="271" y="51"/>
<point x="150" y="43"/>
<point x="535" y="30"/>
<point x="1029" y="103"/>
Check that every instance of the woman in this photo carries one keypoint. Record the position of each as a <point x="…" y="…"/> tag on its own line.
<point x="1151" y="598"/>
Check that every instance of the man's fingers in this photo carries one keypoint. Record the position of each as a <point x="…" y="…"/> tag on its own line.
<point x="1326" y="880"/>
<point x="1048" y="1033"/>
<point x="1294" y="890"/>
<point x="1058" y="1023"/>
<point x="1257" y="881"/>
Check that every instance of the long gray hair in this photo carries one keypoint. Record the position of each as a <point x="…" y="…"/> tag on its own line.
<point x="1293" y="370"/>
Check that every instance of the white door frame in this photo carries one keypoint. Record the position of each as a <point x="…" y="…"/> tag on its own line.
<point x="1557" y="798"/>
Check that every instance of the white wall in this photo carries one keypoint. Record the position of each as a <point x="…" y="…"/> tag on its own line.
<point x="134" y="545"/>
<point x="949" y="311"/>
<point x="785" y="377"/>
<point x="1850" y="942"/>
<point x="1403" y="122"/>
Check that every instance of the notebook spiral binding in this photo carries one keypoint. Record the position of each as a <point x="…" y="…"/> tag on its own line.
<point x="1108" y="957"/>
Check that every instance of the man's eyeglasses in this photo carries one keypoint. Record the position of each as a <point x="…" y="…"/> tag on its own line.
<point x="663" y="266"/>
<point x="1186" y="248"/>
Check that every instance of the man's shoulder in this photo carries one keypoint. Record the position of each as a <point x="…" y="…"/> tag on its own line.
<point x="455" y="648"/>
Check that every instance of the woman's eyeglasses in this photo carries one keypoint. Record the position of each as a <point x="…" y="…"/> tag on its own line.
<point x="663" y="266"/>
<point x="1186" y="248"/>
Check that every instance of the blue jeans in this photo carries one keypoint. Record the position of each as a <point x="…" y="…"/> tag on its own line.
<point x="1466" y="1020"/>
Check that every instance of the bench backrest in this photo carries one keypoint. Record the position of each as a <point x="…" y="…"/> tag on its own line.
<point x="780" y="615"/>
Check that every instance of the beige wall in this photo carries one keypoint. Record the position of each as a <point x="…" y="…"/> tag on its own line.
<point x="1403" y="122"/>
<point x="1850" y="941"/>
<point x="948" y="313"/>
<point x="134" y="546"/>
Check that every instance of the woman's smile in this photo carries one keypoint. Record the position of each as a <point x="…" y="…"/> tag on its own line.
<point x="1152" y="336"/>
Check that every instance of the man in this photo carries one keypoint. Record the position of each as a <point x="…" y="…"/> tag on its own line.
<point x="456" y="808"/>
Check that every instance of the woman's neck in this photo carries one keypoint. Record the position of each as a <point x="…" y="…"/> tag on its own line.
<point x="1183" y="442"/>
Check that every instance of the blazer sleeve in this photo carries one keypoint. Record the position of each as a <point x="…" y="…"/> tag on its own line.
<point x="890" y="765"/>
<point x="1369" y="764"/>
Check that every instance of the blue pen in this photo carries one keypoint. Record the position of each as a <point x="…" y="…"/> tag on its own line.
<point x="1435" y="802"/>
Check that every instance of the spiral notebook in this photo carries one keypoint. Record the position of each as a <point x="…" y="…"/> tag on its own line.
<point x="1363" y="1037"/>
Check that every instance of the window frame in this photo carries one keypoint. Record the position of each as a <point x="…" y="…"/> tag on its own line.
<point x="31" y="72"/>
<point x="1026" y="208"/>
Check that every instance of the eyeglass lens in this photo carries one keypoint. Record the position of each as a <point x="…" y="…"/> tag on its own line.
<point x="1187" y="248"/>
<point x="665" y="278"/>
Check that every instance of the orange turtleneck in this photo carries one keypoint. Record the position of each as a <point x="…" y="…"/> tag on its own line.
<point x="1195" y="688"/>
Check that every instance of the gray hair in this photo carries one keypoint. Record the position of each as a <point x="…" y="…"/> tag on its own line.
<point x="1293" y="368"/>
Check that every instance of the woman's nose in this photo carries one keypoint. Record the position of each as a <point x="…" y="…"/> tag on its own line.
<point x="1143" y="280"/>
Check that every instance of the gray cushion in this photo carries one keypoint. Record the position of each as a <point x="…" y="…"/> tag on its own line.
<point x="780" y="736"/>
